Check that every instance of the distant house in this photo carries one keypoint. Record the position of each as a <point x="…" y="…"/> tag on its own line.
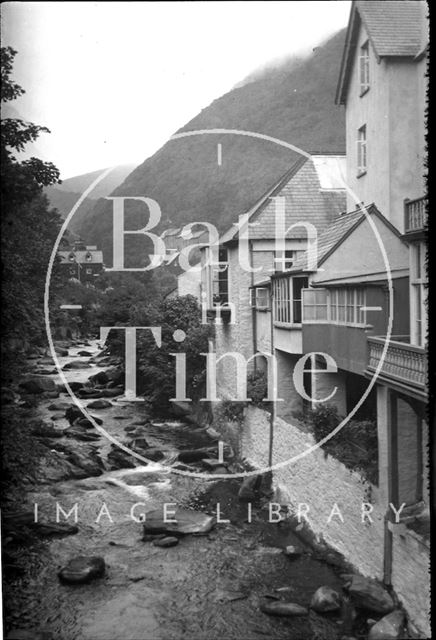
<point x="81" y="262"/>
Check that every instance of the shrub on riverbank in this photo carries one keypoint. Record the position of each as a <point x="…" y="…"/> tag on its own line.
<point x="355" y="445"/>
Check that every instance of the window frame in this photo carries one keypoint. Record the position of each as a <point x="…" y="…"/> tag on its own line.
<point x="418" y="286"/>
<point x="284" y="309"/>
<point x="255" y="299"/>
<point x="362" y="151"/>
<point x="341" y="299"/>
<point x="219" y="283"/>
<point x="364" y="75"/>
<point x="314" y="305"/>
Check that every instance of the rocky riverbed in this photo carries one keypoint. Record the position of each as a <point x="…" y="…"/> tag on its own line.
<point x="101" y="573"/>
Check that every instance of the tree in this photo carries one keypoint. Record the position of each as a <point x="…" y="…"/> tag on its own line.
<point x="156" y="365"/>
<point x="29" y="226"/>
<point x="22" y="181"/>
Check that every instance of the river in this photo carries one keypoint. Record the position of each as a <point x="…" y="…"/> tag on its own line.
<point x="205" y="588"/>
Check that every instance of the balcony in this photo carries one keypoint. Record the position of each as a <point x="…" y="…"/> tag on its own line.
<point x="415" y="216"/>
<point x="404" y="366"/>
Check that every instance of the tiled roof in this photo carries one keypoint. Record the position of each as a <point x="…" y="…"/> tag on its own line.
<point x="394" y="26"/>
<point x="332" y="237"/>
<point x="305" y="201"/>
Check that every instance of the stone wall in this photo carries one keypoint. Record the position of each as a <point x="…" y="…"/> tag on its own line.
<point x="320" y="481"/>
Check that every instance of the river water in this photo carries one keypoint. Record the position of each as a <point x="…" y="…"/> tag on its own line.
<point x="207" y="587"/>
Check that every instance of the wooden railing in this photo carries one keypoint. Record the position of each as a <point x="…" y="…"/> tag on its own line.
<point x="403" y="362"/>
<point x="415" y="214"/>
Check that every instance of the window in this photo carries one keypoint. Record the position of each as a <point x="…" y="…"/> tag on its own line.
<point x="220" y="279"/>
<point x="315" y="307"/>
<point x="346" y="306"/>
<point x="288" y="298"/>
<point x="418" y="294"/>
<point x="89" y="271"/>
<point x="298" y="284"/>
<point x="364" y="68"/>
<point x="260" y="298"/>
<point x="361" y="151"/>
<point x="286" y="259"/>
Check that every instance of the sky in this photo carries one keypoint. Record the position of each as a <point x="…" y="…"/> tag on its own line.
<point x="114" y="80"/>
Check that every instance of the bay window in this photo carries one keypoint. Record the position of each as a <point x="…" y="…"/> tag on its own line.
<point x="288" y="299"/>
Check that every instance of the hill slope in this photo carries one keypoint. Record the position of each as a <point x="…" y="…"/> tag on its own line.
<point x="294" y="103"/>
<point x="65" y="195"/>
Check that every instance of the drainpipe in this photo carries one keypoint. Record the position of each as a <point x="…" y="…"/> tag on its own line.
<point x="275" y="373"/>
<point x="253" y="309"/>
<point x="393" y="492"/>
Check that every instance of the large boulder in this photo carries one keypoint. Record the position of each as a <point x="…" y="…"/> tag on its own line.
<point x="87" y="394"/>
<point x="115" y="375"/>
<point x="155" y="455"/>
<point x="167" y="541"/>
<point x="79" y="433"/>
<point x="43" y="430"/>
<point x="112" y="393"/>
<point x="50" y="529"/>
<point x="60" y="351"/>
<point x="99" y="404"/>
<point x="280" y="608"/>
<point x="249" y="489"/>
<point x="194" y="455"/>
<point x="84" y="422"/>
<point x="99" y="378"/>
<point x="37" y="384"/>
<point x="82" y="569"/>
<point x="138" y="444"/>
<point x="88" y="460"/>
<point x="390" y="627"/>
<point x="76" y="364"/>
<point x="184" y="521"/>
<point x="325" y="599"/>
<point x="73" y="412"/>
<point x="119" y="459"/>
<point x="74" y="386"/>
<point x="59" y="406"/>
<point x="370" y="595"/>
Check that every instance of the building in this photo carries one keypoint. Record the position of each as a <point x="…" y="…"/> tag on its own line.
<point x="363" y="304"/>
<point x="81" y="262"/>
<point x="302" y="203"/>
<point x="356" y="319"/>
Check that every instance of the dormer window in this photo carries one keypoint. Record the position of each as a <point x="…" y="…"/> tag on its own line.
<point x="88" y="257"/>
<point x="71" y="257"/>
<point x="364" y="68"/>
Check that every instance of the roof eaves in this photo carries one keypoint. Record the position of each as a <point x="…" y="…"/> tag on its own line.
<point x="350" y="39"/>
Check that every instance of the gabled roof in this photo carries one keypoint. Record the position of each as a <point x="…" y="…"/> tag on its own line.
<point x="314" y="192"/>
<point x="394" y="28"/>
<point x="233" y="231"/>
<point x="335" y="235"/>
